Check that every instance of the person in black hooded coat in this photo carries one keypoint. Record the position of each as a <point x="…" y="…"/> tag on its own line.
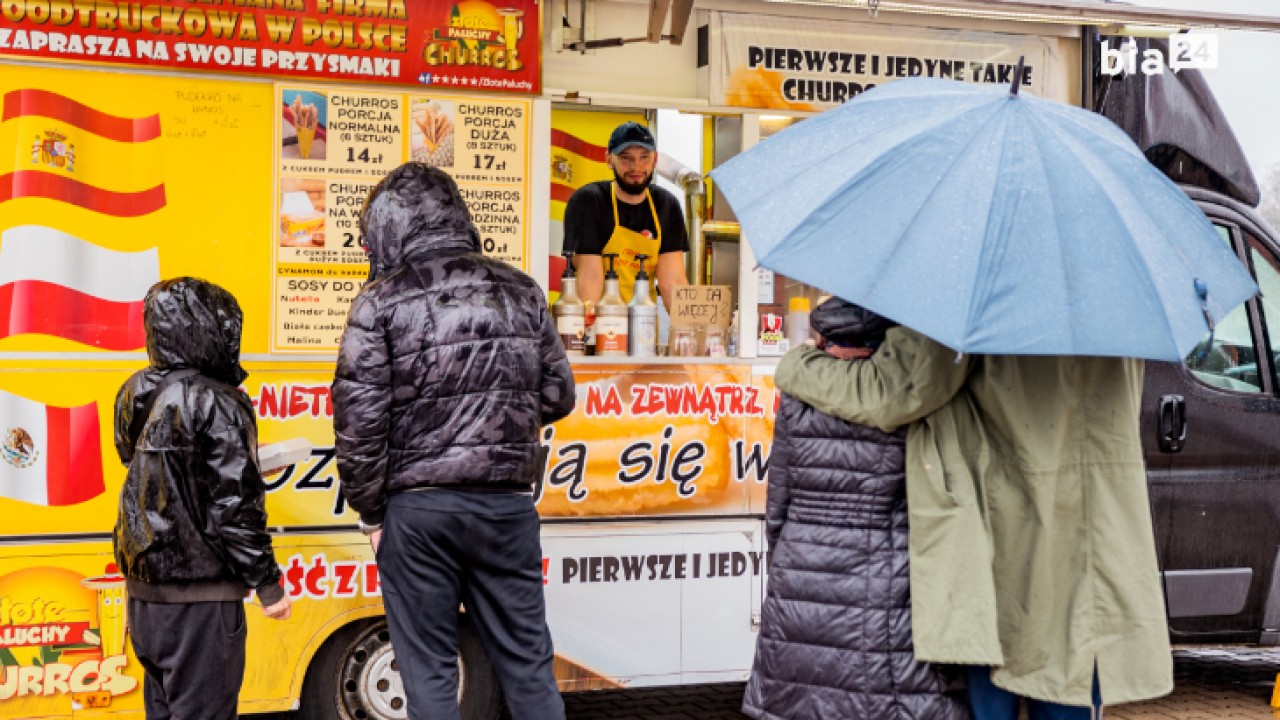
<point x="449" y="366"/>
<point x="835" y="635"/>
<point x="191" y="537"/>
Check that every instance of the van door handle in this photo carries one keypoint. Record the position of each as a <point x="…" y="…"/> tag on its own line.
<point x="1172" y="423"/>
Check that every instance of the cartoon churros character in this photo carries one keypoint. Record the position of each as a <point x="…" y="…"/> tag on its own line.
<point x="112" y="610"/>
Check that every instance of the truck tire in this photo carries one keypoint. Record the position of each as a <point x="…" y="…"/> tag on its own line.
<point x="354" y="676"/>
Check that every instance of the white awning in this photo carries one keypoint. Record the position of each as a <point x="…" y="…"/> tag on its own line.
<point x="1057" y="12"/>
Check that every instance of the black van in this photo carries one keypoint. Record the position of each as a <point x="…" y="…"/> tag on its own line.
<point x="1211" y="425"/>
<point x="1212" y="443"/>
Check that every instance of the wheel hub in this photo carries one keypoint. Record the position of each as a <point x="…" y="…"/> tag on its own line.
<point x="383" y="688"/>
<point x="370" y="684"/>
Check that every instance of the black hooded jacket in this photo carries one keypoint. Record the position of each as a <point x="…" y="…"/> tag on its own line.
<point x="835" y="634"/>
<point x="192" y="519"/>
<point x="450" y="363"/>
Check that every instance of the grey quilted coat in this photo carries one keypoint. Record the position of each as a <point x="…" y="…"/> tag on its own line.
<point x="835" y="639"/>
<point x="450" y="363"/>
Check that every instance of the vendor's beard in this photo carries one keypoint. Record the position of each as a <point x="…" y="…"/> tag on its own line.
<point x="632" y="188"/>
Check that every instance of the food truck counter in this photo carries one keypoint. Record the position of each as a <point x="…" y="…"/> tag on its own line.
<point x="760" y="363"/>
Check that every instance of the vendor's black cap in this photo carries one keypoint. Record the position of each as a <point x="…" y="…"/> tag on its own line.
<point x="628" y="134"/>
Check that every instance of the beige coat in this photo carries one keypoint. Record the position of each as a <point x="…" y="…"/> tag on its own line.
<point x="1031" y="544"/>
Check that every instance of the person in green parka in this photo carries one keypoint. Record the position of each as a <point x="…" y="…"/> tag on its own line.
<point x="1031" y="549"/>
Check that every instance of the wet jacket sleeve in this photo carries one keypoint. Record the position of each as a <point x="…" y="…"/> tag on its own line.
<point x="361" y="410"/>
<point x="558" y="391"/>
<point x="124" y="412"/>
<point x="779" y="495"/>
<point x="909" y="377"/>
<point x="238" y="505"/>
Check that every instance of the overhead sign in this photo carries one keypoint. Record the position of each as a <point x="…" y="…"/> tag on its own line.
<point x="811" y="65"/>
<point x="471" y="44"/>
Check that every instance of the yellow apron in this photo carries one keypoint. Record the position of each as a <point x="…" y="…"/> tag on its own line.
<point x="628" y="244"/>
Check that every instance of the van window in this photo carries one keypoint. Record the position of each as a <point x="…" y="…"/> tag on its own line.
<point x="1226" y="358"/>
<point x="1268" y="276"/>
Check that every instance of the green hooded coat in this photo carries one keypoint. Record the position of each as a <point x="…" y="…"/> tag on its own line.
<point x="1031" y="545"/>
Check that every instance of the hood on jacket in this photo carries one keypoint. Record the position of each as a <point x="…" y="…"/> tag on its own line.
<point x="415" y="210"/>
<point x="848" y="324"/>
<point x="192" y="323"/>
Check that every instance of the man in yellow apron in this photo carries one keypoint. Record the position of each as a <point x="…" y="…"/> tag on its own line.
<point x="628" y="217"/>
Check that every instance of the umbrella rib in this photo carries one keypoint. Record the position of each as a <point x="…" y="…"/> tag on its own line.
<point x="996" y="115"/>
<point x="837" y="190"/>
<point x="974" y="303"/>
<point x="1062" y="249"/>
<point x="1136" y="258"/>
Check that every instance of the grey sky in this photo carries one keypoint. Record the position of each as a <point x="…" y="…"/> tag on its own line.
<point x="1244" y="82"/>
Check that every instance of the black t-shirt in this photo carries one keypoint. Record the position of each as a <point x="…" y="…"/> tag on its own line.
<point x="588" y="219"/>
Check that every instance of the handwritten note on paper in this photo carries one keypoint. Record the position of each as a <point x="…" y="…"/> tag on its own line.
<point x="699" y="307"/>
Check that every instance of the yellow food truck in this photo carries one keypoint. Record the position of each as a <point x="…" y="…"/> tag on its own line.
<point x="236" y="139"/>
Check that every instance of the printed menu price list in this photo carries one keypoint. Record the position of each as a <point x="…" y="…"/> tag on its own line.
<point x="334" y="147"/>
<point x="340" y="133"/>
<point x="312" y="306"/>
<point x="498" y="213"/>
<point x="494" y="144"/>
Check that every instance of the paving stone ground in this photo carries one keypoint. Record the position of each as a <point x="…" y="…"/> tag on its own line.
<point x="1213" y="683"/>
<point x="1210" y="683"/>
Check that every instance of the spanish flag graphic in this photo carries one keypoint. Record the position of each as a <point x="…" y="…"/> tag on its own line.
<point x="56" y="284"/>
<point x="579" y="144"/>
<point x="49" y="456"/>
<point x="576" y="158"/>
<point x="70" y="152"/>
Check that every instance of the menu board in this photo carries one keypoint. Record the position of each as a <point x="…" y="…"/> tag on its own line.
<point x="334" y="145"/>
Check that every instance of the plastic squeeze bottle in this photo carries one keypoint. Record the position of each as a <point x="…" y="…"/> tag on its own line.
<point x="611" y="316"/>
<point x="570" y="312"/>
<point x="797" y="321"/>
<point x="642" y="317"/>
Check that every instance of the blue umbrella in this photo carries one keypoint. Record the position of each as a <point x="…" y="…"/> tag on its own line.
<point x="990" y="221"/>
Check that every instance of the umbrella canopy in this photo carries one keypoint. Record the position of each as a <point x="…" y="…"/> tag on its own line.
<point x="992" y="222"/>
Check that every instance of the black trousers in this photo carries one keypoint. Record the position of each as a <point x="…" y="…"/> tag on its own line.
<point x="440" y="548"/>
<point x="193" y="655"/>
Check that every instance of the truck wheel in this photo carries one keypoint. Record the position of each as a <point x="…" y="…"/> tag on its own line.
<point x="355" y="677"/>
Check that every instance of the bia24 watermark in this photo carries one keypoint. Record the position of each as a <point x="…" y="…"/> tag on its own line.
<point x="1186" y="50"/>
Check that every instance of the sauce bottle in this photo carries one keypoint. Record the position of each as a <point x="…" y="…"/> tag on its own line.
<point x="797" y="321"/>
<point x="642" y="317"/>
<point x="570" y="312"/>
<point x="611" y="316"/>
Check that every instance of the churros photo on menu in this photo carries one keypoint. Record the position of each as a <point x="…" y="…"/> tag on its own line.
<point x="303" y="134"/>
<point x="432" y="132"/>
<point x="302" y="208"/>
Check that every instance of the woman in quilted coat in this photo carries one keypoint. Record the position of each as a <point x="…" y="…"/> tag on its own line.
<point x="835" y="639"/>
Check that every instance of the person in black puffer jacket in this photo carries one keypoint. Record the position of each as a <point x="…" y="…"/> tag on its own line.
<point x="449" y="367"/>
<point x="835" y="637"/>
<point x="191" y="537"/>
